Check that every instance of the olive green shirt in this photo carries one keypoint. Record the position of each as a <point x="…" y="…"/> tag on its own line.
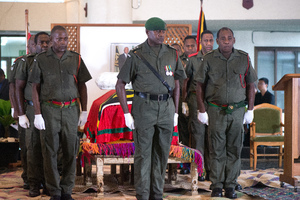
<point x="225" y="79"/>
<point x="22" y="73"/>
<point x="192" y="67"/>
<point x="142" y="78"/>
<point x="13" y="69"/>
<point x="58" y="76"/>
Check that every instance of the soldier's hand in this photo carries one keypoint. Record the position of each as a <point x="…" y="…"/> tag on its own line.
<point x="175" y="119"/>
<point x="82" y="118"/>
<point x="23" y="121"/>
<point x="39" y="122"/>
<point x="185" y="109"/>
<point x="203" y="117"/>
<point x="129" y="121"/>
<point x="248" y="117"/>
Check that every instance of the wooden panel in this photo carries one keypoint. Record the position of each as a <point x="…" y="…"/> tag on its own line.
<point x="175" y="33"/>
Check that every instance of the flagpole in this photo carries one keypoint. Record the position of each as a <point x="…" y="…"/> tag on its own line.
<point x="26" y="29"/>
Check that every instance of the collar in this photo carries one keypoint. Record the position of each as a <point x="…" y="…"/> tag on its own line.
<point x="147" y="49"/>
<point x="234" y="53"/>
<point x="50" y="52"/>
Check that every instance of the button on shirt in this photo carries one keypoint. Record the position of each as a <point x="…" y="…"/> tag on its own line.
<point x="57" y="76"/>
<point x="225" y="78"/>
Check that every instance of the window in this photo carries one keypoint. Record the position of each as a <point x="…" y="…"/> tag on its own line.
<point x="273" y="63"/>
<point x="12" y="47"/>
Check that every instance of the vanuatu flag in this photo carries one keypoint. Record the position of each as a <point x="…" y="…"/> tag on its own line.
<point x="201" y="27"/>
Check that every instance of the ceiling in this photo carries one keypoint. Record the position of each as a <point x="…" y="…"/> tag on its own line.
<point x="243" y="25"/>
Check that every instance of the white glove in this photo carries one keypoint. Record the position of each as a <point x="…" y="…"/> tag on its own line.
<point x="82" y="118"/>
<point x="12" y="112"/>
<point x="129" y="121"/>
<point x="203" y="117"/>
<point x="185" y="109"/>
<point x="248" y="117"/>
<point x="23" y="121"/>
<point x="39" y="122"/>
<point x="175" y="119"/>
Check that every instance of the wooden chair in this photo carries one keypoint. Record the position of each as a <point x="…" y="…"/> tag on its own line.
<point x="266" y="129"/>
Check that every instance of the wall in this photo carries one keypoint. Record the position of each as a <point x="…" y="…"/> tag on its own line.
<point x="217" y="9"/>
<point x="41" y="15"/>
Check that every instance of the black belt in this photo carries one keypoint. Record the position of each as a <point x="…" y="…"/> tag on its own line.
<point x="28" y="102"/>
<point x="154" y="97"/>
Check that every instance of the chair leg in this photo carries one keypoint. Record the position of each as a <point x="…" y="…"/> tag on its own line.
<point x="251" y="155"/>
<point x="280" y="156"/>
<point x="255" y="157"/>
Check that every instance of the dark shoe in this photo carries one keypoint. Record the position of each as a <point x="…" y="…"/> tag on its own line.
<point x="66" y="197"/>
<point x="230" y="193"/>
<point x="201" y="178"/>
<point x="55" y="197"/>
<point x="34" y="192"/>
<point x="216" y="192"/>
<point x="46" y="191"/>
<point x="184" y="171"/>
<point x="26" y="186"/>
<point x="238" y="187"/>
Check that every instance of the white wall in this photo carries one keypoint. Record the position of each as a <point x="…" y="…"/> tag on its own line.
<point x="95" y="43"/>
<point x="217" y="9"/>
<point x="40" y="17"/>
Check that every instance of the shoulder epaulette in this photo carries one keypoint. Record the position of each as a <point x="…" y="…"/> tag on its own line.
<point x="18" y="59"/>
<point x="242" y="52"/>
<point x="74" y="52"/>
<point x="193" y="54"/>
<point x="171" y="47"/>
<point x="136" y="48"/>
<point x="31" y="55"/>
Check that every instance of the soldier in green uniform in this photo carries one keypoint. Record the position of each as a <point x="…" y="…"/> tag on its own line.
<point x="225" y="81"/>
<point x="26" y="117"/>
<point x="189" y="47"/>
<point x="61" y="75"/>
<point x="14" y="111"/>
<point x="154" y="108"/>
<point x="189" y="99"/>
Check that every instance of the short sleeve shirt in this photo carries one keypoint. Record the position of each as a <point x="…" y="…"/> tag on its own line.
<point x="58" y="77"/>
<point x="191" y="68"/>
<point x="22" y="73"/>
<point x="226" y="79"/>
<point x="13" y="69"/>
<point x="167" y="64"/>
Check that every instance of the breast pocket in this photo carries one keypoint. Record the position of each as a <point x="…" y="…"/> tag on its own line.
<point x="71" y="76"/>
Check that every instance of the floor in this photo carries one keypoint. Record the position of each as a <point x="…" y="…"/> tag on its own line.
<point x="115" y="191"/>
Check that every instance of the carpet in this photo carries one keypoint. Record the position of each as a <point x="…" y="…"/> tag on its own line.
<point x="258" y="184"/>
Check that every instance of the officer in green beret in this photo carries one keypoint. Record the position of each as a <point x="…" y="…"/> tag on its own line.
<point x="225" y="81"/>
<point x="154" y="107"/>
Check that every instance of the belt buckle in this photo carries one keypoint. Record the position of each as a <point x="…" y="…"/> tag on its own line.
<point x="62" y="104"/>
<point x="160" y="97"/>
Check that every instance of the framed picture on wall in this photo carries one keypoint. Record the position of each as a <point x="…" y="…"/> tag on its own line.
<point x="119" y="52"/>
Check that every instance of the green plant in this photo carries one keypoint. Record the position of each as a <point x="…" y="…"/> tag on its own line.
<point x="5" y="117"/>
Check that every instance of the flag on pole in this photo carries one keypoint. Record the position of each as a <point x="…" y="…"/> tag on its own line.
<point x="201" y="27"/>
<point x="27" y="31"/>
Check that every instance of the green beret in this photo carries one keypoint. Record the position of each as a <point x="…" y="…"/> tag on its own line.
<point x="155" y="23"/>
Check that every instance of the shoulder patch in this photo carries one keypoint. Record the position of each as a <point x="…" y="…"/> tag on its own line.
<point x="242" y="52"/>
<point x="193" y="54"/>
